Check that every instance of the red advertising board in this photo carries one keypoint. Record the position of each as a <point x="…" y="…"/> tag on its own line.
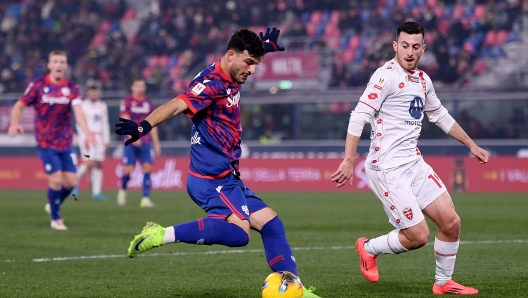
<point x="27" y="118"/>
<point x="288" y="66"/>
<point x="501" y="174"/>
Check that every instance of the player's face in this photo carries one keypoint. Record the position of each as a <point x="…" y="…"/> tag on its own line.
<point x="93" y="94"/>
<point x="409" y="48"/>
<point x="57" y="64"/>
<point x="242" y="65"/>
<point x="138" y="88"/>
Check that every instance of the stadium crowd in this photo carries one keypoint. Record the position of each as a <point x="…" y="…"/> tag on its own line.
<point x="168" y="41"/>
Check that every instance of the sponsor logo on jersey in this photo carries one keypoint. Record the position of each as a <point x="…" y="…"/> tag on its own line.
<point x="144" y="108"/>
<point x="412" y="79"/>
<point x="416" y="108"/>
<point x="219" y="188"/>
<point x="372" y="96"/>
<point x="55" y="100"/>
<point x="401" y="85"/>
<point x="413" y="122"/>
<point x="378" y="86"/>
<point x="198" y="89"/>
<point x="233" y="100"/>
<point x="46" y="89"/>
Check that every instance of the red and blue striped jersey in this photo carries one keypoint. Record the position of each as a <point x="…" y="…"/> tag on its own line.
<point x="213" y="101"/>
<point x="52" y="103"/>
<point x="137" y="110"/>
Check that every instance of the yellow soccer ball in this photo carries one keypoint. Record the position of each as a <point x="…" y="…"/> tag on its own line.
<point x="282" y="284"/>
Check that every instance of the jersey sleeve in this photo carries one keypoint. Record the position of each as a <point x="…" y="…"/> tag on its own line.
<point x="200" y="95"/>
<point x="432" y="102"/>
<point x="378" y="88"/>
<point x="75" y="95"/>
<point x="30" y="95"/>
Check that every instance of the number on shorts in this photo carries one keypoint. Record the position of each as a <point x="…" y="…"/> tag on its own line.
<point x="436" y="179"/>
<point x="74" y="158"/>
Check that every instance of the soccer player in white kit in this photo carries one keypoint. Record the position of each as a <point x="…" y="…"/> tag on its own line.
<point x="96" y="112"/>
<point x="393" y="103"/>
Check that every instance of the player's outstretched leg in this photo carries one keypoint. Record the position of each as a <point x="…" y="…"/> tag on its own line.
<point x="146" y="202"/>
<point x="121" y="195"/>
<point x="278" y="251"/>
<point x="206" y="231"/>
<point x="54" y="201"/>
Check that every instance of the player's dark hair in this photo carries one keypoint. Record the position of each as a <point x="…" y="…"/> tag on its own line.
<point x="57" y="52"/>
<point x="411" y="28"/>
<point x="137" y="79"/>
<point x="245" y="39"/>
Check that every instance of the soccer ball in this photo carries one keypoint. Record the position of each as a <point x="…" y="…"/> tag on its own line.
<point x="282" y="284"/>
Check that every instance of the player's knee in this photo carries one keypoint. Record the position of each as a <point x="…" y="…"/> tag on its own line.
<point x="55" y="181"/>
<point x="146" y="167"/>
<point x="452" y="227"/>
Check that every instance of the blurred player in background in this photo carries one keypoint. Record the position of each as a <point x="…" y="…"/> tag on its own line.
<point x="53" y="98"/>
<point x="137" y="107"/>
<point x="93" y="156"/>
<point x="393" y="103"/>
<point x="213" y="103"/>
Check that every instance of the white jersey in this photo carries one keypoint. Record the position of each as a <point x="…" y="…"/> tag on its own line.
<point x="96" y="113"/>
<point x="398" y="98"/>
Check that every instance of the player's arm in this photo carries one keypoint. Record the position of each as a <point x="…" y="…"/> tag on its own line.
<point x="14" y="126"/>
<point x="80" y="118"/>
<point x="106" y="129"/>
<point x="160" y="115"/>
<point x="361" y="115"/>
<point x="439" y="115"/>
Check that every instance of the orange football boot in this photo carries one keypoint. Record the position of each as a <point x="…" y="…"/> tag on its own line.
<point x="367" y="263"/>
<point x="452" y="287"/>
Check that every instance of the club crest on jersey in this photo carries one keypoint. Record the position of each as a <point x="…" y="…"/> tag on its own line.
<point x="46" y="89"/>
<point x="408" y="213"/>
<point x="198" y="89"/>
<point x="65" y="91"/>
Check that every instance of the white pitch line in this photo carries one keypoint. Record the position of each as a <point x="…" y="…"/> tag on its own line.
<point x="238" y="251"/>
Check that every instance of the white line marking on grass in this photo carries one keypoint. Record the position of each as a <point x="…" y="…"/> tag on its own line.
<point x="239" y="251"/>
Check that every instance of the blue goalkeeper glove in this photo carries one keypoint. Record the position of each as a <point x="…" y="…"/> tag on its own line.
<point x="270" y="40"/>
<point x="132" y="128"/>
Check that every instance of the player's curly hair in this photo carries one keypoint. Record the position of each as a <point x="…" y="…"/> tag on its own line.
<point x="245" y="39"/>
<point x="410" y="28"/>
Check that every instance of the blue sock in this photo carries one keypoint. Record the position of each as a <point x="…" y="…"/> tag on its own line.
<point x="210" y="231"/>
<point x="146" y="185"/>
<point x="64" y="193"/>
<point x="124" y="181"/>
<point x="278" y="252"/>
<point x="54" y="199"/>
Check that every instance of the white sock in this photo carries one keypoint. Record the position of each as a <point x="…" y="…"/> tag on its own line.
<point x="81" y="171"/>
<point x="97" y="181"/>
<point x="386" y="244"/>
<point x="445" y="253"/>
<point x="169" y="237"/>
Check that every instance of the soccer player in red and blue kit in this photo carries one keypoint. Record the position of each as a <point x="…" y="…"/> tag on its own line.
<point x="53" y="98"/>
<point x="213" y="103"/>
<point x="137" y="107"/>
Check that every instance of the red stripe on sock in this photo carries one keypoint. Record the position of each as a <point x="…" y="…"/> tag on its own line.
<point x="218" y="216"/>
<point x="230" y="206"/>
<point x="275" y="260"/>
<point x="444" y="255"/>
<point x="200" y="225"/>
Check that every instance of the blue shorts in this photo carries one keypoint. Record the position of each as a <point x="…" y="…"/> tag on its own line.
<point x="225" y="196"/>
<point x="55" y="160"/>
<point x="144" y="153"/>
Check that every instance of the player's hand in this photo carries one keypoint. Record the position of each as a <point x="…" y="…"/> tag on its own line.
<point x="90" y="139"/>
<point x="157" y="149"/>
<point x="271" y="40"/>
<point x="133" y="129"/>
<point x="14" y="129"/>
<point x="480" y="154"/>
<point x="344" y="173"/>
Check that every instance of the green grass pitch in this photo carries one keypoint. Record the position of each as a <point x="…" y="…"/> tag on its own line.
<point x="89" y="259"/>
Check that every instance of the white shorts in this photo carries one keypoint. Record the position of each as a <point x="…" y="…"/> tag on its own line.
<point x="406" y="191"/>
<point x="95" y="152"/>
